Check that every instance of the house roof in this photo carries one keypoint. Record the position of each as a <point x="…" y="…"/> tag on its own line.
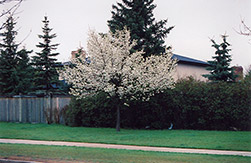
<point x="188" y="60"/>
<point x="181" y="59"/>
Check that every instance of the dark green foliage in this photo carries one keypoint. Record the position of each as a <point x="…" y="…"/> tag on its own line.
<point x="25" y="72"/>
<point x="97" y="111"/>
<point x="45" y="63"/>
<point x="137" y="16"/>
<point x="248" y="75"/>
<point x="191" y="105"/>
<point x="153" y="114"/>
<point x="220" y="69"/>
<point x="215" y="106"/>
<point x="8" y="60"/>
<point x="15" y="70"/>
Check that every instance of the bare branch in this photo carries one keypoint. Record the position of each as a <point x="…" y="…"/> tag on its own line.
<point x="10" y="11"/>
<point x="244" y="29"/>
<point x="25" y="37"/>
<point x="7" y="1"/>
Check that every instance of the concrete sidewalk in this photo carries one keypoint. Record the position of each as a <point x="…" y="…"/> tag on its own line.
<point x="128" y="147"/>
<point x="16" y="161"/>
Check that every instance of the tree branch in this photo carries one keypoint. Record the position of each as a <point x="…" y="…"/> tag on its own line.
<point x="244" y="30"/>
<point x="11" y="10"/>
<point x="7" y="1"/>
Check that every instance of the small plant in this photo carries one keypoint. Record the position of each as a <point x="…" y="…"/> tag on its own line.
<point x="57" y="115"/>
<point x="53" y="115"/>
<point x="48" y="115"/>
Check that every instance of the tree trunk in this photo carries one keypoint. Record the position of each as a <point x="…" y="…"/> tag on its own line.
<point x="118" y="118"/>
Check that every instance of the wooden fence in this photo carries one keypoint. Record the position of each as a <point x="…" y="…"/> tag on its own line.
<point x="32" y="109"/>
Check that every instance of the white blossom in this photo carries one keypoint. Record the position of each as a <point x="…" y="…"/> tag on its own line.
<point x="112" y="68"/>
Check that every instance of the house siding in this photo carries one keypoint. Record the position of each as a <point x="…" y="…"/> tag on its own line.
<point x="184" y="70"/>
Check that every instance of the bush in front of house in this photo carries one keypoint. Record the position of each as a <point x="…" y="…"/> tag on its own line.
<point x="191" y="104"/>
<point x="95" y="111"/>
<point x="212" y="106"/>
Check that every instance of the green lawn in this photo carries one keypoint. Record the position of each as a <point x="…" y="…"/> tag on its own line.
<point x="77" y="154"/>
<point x="228" y="140"/>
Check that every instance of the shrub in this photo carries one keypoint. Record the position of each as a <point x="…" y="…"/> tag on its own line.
<point x="213" y="106"/>
<point x="73" y="114"/>
<point x="190" y="105"/>
<point x="95" y="111"/>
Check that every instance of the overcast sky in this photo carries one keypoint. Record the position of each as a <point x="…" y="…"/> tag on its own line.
<point x="195" y="21"/>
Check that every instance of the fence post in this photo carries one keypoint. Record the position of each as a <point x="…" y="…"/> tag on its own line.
<point x="51" y="113"/>
<point x="48" y="109"/>
<point x="20" y="108"/>
<point x="7" y="109"/>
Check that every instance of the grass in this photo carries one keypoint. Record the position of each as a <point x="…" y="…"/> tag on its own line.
<point x="77" y="154"/>
<point x="225" y="140"/>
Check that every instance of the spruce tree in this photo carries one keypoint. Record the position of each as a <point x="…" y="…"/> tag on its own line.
<point x="137" y="16"/>
<point x="25" y="72"/>
<point x="8" y="57"/>
<point x="45" y="63"/>
<point x="15" y="76"/>
<point x="219" y="68"/>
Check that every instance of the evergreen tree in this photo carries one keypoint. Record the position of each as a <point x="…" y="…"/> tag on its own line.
<point x="25" y="72"/>
<point x="45" y="63"/>
<point x="8" y="58"/>
<point x="219" y="68"/>
<point x="15" y="71"/>
<point x="137" y="16"/>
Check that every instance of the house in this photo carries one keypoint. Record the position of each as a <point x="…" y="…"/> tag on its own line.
<point x="79" y="52"/>
<point x="190" y="67"/>
<point x="186" y="66"/>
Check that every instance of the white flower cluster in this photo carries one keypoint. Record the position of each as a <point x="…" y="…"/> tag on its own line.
<point x="113" y="69"/>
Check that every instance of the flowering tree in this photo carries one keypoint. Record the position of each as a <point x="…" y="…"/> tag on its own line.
<point x="113" y="69"/>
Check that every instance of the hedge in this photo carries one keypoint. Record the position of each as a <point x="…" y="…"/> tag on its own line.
<point x="190" y="105"/>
